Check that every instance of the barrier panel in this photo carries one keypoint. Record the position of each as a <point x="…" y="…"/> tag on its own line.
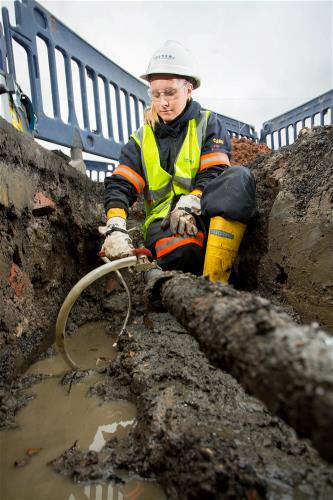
<point x="95" y="87"/>
<point x="36" y="28"/>
<point x="3" y="51"/>
<point x="103" y="102"/>
<point x="283" y="129"/>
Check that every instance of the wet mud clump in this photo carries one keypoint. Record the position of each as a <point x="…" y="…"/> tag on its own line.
<point x="197" y="432"/>
<point x="49" y="214"/>
<point x="13" y="397"/>
<point x="245" y="150"/>
<point x="287" y="252"/>
<point x="288" y="366"/>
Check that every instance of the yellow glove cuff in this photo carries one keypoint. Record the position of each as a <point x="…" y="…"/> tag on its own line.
<point x="197" y="192"/>
<point x="116" y="212"/>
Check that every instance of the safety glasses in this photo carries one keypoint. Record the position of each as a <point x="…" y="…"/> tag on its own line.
<point x="169" y="93"/>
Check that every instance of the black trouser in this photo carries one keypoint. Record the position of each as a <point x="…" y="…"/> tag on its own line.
<point x="230" y="195"/>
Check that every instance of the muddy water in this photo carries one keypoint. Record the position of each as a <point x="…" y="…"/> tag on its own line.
<point x="55" y="419"/>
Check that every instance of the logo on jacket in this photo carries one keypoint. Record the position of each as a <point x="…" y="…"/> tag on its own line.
<point x="218" y="141"/>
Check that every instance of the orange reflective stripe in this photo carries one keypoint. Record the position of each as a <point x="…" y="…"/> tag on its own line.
<point x="212" y="159"/>
<point x="167" y="245"/>
<point x="130" y="175"/>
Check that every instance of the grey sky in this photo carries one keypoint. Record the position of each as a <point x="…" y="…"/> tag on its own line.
<point x="257" y="59"/>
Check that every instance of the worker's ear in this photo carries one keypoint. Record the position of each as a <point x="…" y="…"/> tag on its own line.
<point x="189" y="89"/>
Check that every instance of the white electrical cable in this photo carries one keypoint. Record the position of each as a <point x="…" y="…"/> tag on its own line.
<point x="76" y="291"/>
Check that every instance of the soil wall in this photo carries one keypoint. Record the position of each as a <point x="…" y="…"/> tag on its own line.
<point x="49" y="214"/>
<point x="197" y="431"/>
<point x="287" y="253"/>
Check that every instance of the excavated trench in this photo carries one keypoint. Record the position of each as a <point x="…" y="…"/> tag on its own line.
<point x="197" y="432"/>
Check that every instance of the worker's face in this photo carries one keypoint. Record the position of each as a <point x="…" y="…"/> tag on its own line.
<point x="169" y="95"/>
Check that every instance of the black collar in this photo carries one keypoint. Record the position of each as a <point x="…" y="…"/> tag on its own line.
<point x="192" y="110"/>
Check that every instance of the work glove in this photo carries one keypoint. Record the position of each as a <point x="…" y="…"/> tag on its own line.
<point x="181" y="220"/>
<point x="117" y="243"/>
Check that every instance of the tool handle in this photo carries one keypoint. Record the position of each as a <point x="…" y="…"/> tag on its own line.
<point x="143" y="251"/>
<point x="137" y="252"/>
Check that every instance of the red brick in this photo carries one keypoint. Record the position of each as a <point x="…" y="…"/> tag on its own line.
<point x="17" y="279"/>
<point x="42" y="205"/>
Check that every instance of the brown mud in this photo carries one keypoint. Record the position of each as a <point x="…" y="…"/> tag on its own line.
<point x="287" y="252"/>
<point x="245" y="150"/>
<point x="49" y="214"/>
<point x="197" y="431"/>
<point x="288" y="366"/>
<point x="60" y="414"/>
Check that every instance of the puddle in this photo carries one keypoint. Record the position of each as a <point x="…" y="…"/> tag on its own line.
<point x="55" y="419"/>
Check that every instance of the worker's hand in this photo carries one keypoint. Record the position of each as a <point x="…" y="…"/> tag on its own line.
<point x="190" y="203"/>
<point x="117" y="243"/>
<point x="181" y="220"/>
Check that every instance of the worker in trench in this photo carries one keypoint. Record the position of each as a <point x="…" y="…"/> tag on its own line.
<point x="197" y="205"/>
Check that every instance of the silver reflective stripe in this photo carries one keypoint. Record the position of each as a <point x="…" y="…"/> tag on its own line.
<point x="136" y="138"/>
<point x="172" y="241"/>
<point x="184" y="181"/>
<point x="177" y="239"/>
<point x="201" y="128"/>
<point x="139" y="135"/>
<point x="159" y="193"/>
<point x="201" y="125"/>
<point x="211" y="158"/>
<point x="159" y="208"/>
<point x="222" y="234"/>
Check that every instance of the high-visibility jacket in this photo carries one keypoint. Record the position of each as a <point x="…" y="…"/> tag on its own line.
<point x="160" y="186"/>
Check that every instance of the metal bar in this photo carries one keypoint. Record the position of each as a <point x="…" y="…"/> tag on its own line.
<point x="70" y="95"/>
<point x="97" y="104"/>
<point x="9" y="45"/>
<point x="128" y="113"/>
<point x="119" y="117"/>
<point x="54" y="79"/>
<point x="108" y="108"/>
<point x="137" y="113"/>
<point x="84" y="98"/>
<point x="287" y="136"/>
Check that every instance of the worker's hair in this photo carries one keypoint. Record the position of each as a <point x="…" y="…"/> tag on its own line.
<point x="150" y="113"/>
<point x="151" y="116"/>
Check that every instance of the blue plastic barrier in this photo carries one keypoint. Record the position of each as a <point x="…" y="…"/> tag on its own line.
<point x="33" y="22"/>
<point x="97" y="170"/>
<point x="124" y="112"/>
<point x="297" y="118"/>
<point x="3" y="52"/>
<point x="239" y="129"/>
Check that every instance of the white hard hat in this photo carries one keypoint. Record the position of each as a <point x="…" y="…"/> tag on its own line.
<point x="172" y="59"/>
